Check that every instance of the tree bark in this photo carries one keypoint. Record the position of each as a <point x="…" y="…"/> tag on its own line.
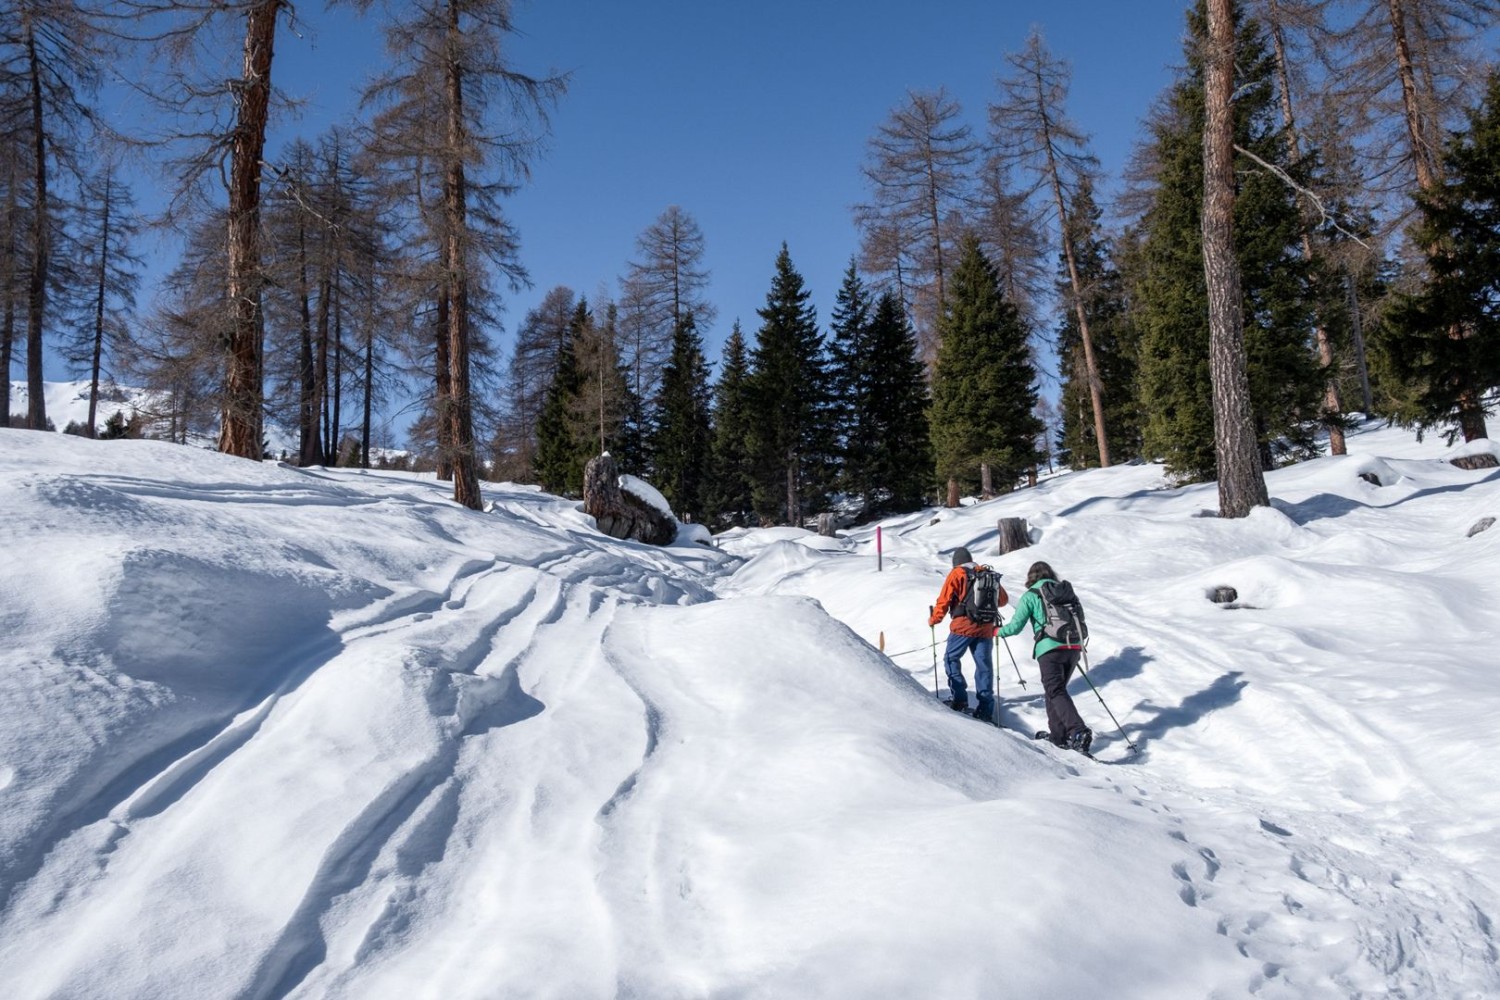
<point x="96" y="362"/>
<point x="7" y="297"/>
<point x="307" y="426"/>
<point x="41" y="251"/>
<point x="1012" y="534"/>
<point x="319" y="402"/>
<point x="1242" y="485"/>
<point x="1424" y="145"/>
<point x="241" y="417"/>
<point x="460" y="416"/>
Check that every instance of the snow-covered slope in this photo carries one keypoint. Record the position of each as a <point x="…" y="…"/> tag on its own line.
<point x="68" y="402"/>
<point x="270" y="732"/>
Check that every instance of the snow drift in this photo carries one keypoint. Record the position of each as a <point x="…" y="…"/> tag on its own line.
<point x="268" y="732"/>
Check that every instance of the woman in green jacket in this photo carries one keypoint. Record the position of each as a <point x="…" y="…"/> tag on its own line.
<point x="1057" y="662"/>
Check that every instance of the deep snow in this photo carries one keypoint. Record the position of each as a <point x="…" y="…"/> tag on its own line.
<point x="273" y="732"/>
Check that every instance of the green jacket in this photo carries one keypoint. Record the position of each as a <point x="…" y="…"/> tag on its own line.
<point x="1029" y="612"/>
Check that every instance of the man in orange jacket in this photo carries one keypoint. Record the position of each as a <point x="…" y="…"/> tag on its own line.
<point x="966" y="636"/>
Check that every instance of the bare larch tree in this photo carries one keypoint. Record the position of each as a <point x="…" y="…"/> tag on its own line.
<point x="1030" y="128"/>
<point x="918" y="170"/>
<point x="441" y="121"/>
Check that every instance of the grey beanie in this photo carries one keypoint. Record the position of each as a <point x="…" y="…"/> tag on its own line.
<point x="961" y="555"/>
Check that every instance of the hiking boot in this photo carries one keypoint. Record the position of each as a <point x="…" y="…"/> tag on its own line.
<point x="959" y="705"/>
<point x="1081" y="740"/>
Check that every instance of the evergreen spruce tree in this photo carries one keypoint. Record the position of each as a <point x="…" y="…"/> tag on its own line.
<point x="983" y="389"/>
<point x="1170" y="295"/>
<point x="789" y="438"/>
<point x="848" y="358"/>
<point x="560" y="454"/>
<point x="681" y="446"/>
<point x="730" y="498"/>
<point x="1105" y="306"/>
<point x="896" y="456"/>
<point x="1443" y="343"/>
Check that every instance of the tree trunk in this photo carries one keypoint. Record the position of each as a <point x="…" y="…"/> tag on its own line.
<point x="952" y="493"/>
<point x="444" y="372"/>
<point x="364" y="431"/>
<point x="240" y="424"/>
<point x="307" y="425"/>
<point x="793" y="496"/>
<point x="8" y="303"/>
<point x="1096" y="383"/>
<point x="1357" y="330"/>
<point x="1424" y="145"/>
<point x="460" y="416"/>
<point x="96" y="362"/>
<point x="1242" y="485"/>
<point x="1012" y="534"/>
<point x="986" y="481"/>
<point x="320" y="378"/>
<point x="41" y="252"/>
<point x="335" y="390"/>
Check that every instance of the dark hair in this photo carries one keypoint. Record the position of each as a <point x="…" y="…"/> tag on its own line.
<point x="1039" y="571"/>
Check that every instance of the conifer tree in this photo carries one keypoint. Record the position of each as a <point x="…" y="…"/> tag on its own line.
<point x="983" y="389"/>
<point x="848" y="354"/>
<point x="896" y="457"/>
<point x="1169" y="291"/>
<point x="681" y="446"/>
<point x="1103" y="302"/>
<point x="730" y="498"/>
<point x="788" y="391"/>
<point x="1444" y="342"/>
<point x="598" y="409"/>
<point x="560" y="456"/>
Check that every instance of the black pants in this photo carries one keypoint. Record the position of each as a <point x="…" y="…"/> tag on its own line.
<point x="1063" y="719"/>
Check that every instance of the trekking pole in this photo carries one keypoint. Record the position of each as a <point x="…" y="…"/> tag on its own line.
<point x="1013" y="662"/>
<point x="1083" y="669"/>
<point x="933" y="629"/>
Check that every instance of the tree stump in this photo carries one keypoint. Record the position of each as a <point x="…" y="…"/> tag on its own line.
<point x="1224" y="595"/>
<point x="619" y="513"/>
<point x="826" y="524"/>
<point x="1013" y="534"/>
<point x="1475" y="462"/>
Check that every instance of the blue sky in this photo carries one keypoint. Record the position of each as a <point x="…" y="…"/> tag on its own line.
<point x="753" y="117"/>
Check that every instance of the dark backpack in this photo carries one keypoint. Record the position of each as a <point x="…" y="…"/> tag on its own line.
<point x="1064" y="614"/>
<point x="981" y="603"/>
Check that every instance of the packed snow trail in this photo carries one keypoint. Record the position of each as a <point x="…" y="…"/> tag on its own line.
<point x="269" y="733"/>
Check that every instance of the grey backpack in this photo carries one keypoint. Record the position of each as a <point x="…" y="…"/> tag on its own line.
<point x="1063" y="612"/>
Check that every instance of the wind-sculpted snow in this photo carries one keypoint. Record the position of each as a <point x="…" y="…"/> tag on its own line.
<point x="268" y="732"/>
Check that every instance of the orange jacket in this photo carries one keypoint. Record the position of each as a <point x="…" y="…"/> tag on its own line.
<point x="951" y="597"/>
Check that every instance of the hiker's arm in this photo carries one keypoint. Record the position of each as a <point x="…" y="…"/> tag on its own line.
<point x="1021" y="618"/>
<point x="945" y="599"/>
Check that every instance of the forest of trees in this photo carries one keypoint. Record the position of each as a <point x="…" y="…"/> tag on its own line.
<point x="1309" y="228"/>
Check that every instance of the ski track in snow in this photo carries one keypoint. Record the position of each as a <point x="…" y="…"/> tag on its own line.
<point x="627" y="866"/>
